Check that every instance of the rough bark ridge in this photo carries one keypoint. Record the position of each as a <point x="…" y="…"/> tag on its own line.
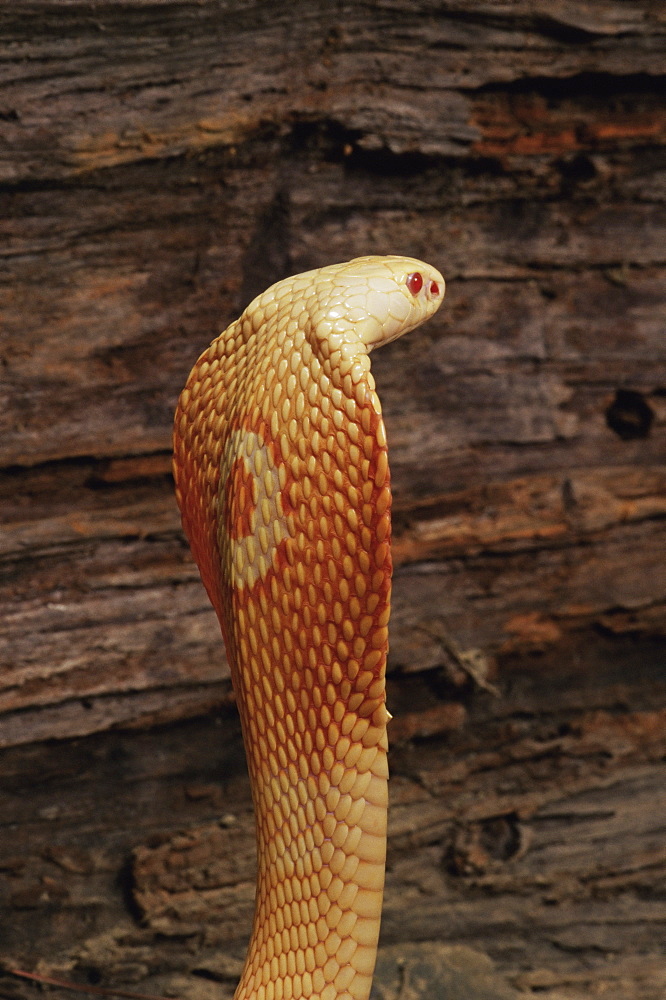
<point x="159" y="165"/>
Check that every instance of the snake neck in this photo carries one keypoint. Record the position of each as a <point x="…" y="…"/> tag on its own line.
<point x="321" y="848"/>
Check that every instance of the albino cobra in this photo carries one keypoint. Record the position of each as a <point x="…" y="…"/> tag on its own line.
<point x="282" y="480"/>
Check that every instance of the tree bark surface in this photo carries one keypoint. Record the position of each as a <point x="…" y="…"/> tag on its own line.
<point x="160" y="164"/>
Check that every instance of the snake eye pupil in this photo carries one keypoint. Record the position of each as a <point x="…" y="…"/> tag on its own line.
<point x="415" y="283"/>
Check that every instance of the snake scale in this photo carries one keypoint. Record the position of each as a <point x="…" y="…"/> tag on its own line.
<point x="282" y="479"/>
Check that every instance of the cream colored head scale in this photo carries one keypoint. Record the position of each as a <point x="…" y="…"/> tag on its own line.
<point x="283" y="483"/>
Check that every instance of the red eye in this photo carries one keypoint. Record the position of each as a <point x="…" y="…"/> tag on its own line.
<point x="415" y="282"/>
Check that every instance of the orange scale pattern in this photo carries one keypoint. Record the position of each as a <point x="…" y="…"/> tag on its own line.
<point x="283" y="482"/>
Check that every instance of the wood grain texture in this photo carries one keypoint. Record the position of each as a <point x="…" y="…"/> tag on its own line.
<point x="159" y="165"/>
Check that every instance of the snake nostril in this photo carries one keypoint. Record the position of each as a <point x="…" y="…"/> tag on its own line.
<point x="434" y="288"/>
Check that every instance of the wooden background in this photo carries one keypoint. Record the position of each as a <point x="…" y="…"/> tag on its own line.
<point x="161" y="163"/>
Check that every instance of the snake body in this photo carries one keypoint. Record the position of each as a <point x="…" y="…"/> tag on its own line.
<point x="282" y="480"/>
